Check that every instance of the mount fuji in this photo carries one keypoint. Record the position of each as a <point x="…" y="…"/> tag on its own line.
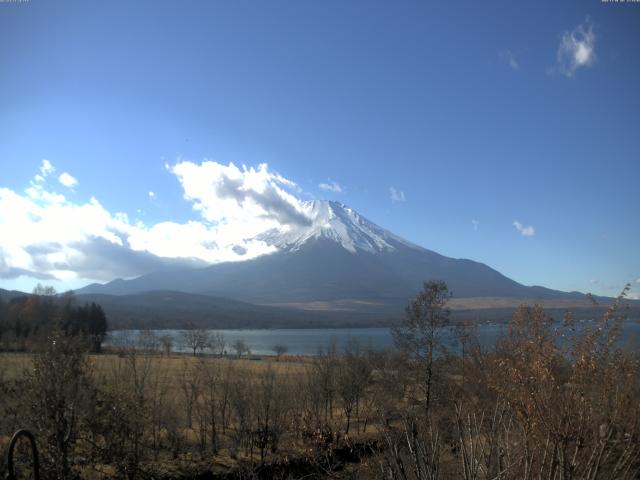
<point x="339" y="260"/>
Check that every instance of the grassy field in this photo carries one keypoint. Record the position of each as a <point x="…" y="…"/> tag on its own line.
<point x="14" y="364"/>
<point x="177" y="396"/>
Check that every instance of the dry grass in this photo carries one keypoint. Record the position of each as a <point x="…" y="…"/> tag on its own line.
<point x="176" y="363"/>
<point x="12" y="365"/>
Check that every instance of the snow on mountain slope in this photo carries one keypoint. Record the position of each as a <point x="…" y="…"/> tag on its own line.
<point x="336" y="222"/>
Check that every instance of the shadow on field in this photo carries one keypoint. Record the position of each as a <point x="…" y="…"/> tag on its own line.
<point x="302" y="467"/>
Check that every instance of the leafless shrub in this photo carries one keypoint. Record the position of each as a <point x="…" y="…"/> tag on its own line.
<point x="218" y="344"/>
<point x="189" y="384"/>
<point x="57" y="392"/>
<point x="353" y="378"/>
<point x="210" y="376"/>
<point x="241" y="405"/>
<point x="413" y="450"/>
<point x="270" y="406"/>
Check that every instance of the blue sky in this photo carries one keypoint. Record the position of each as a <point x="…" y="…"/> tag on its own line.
<point x="444" y="122"/>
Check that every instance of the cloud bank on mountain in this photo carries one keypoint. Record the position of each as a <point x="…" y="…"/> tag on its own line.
<point x="45" y="235"/>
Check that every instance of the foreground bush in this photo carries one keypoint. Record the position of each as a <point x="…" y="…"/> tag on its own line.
<point x="549" y="402"/>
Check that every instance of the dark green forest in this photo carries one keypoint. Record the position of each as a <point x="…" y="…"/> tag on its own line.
<point x="25" y="321"/>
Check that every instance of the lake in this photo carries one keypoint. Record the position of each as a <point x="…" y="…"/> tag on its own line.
<point x="309" y="341"/>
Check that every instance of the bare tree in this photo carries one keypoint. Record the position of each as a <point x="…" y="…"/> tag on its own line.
<point x="227" y="375"/>
<point x="190" y="385"/>
<point x="353" y="376"/>
<point x="218" y="344"/>
<point x="155" y="400"/>
<point x="269" y="411"/>
<point x="280" y="350"/>
<point x="241" y="403"/>
<point x="196" y="339"/>
<point x="241" y="347"/>
<point x="419" y="333"/>
<point x="324" y="375"/>
<point x="210" y="374"/>
<point x="148" y="341"/>
<point x="138" y="376"/>
<point x="167" y="344"/>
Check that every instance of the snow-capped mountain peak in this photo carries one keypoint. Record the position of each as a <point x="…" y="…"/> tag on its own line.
<point x="336" y="222"/>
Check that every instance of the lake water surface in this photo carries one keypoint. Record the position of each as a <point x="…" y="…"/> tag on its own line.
<point x="309" y="341"/>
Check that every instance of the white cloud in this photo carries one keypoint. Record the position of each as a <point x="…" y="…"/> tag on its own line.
<point x="43" y="230"/>
<point x="510" y="59"/>
<point x="577" y="49"/>
<point x="396" y="195"/>
<point x="36" y="190"/>
<point x="45" y="235"/>
<point x="225" y="192"/>
<point x="331" y="187"/>
<point x="152" y="195"/>
<point x="476" y="224"/>
<point x="45" y="169"/>
<point x="67" y="180"/>
<point x="594" y="281"/>
<point x="524" y="231"/>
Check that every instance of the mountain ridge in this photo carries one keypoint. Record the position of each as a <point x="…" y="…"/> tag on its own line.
<point x="339" y="255"/>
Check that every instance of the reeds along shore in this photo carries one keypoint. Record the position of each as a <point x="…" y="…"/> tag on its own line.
<point x="530" y="408"/>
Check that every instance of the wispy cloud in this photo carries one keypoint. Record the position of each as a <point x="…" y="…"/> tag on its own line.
<point x="476" y="224"/>
<point x="46" y="168"/>
<point x="36" y="191"/>
<point x="331" y="187"/>
<point x="152" y="195"/>
<point x="510" y="59"/>
<point x="396" y="195"/>
<point x="577" y="49"/>
<point x="67" y="180"/>
<point x="528" y="231"/>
